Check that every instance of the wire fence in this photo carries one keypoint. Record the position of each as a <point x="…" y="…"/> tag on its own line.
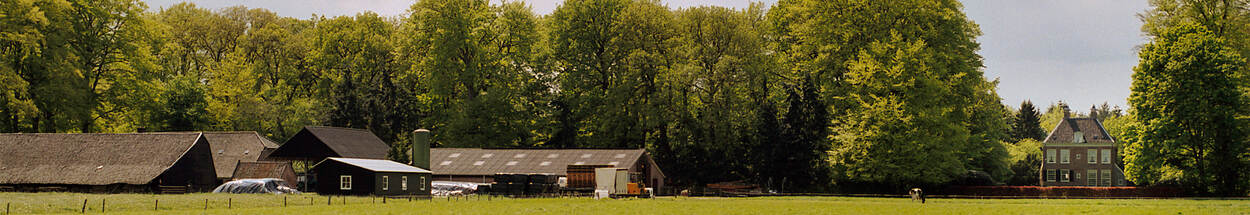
<point x="133" y="203"/>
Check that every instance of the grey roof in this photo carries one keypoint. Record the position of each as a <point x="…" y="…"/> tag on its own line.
<point x="1091" y="128"/>
<point x="379" y="165"/>
<point x="476" y="161"/>
<point x="229" y="148"/>
<point x="90" y="159"/>
<point x="340" y="142"/>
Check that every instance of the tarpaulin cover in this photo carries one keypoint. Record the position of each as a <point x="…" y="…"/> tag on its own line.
<point x="265" y="185"/>
<point x="451" y="188"/>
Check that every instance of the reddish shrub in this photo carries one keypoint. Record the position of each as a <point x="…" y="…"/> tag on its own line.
<point x="1063" y="192"/>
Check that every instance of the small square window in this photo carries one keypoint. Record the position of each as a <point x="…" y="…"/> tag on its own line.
<point x="345" y="182"/>
<point x="386" y="182"/>
<point x="1065" y="175"/>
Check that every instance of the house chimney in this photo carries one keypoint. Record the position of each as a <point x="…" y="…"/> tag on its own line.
<point x="1066" y="114"/>
<point x="421" y="149"/>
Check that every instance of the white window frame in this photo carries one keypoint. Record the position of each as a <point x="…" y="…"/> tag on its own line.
<point x="423" y="183"/>
<point x="386" y="182"/>
<point x="403" y="182"/>
<point x="1050" y="175"/>
<point x="1065" y="156"/>
<point x="1078" y="137"/>
<point x="1065" y="175"/>
<point x="1050" y="156"/>
<point x="345" y="182"/>
<point x="1092" y="157"/>
<point x="1106" y="177"/>
<point x="1091" y="177"/>
<point x="1106" y="156"/>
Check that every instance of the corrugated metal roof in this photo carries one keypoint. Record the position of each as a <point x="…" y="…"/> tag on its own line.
<point x="476" y="161"/>
<point x="380" y="165"/>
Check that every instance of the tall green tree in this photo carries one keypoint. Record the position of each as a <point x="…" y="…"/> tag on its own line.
<point x="880" y="74"/>
<point x="475" y="61"/>
<point x="1027" y="123"/>
<point x="1186" y="100"/>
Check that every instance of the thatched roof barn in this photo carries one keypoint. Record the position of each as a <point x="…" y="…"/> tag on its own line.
<point x="142" y="162"/>
<point x="230" y="148"/>
<point x="316" y="143"/>
<point x="265" y="169"/>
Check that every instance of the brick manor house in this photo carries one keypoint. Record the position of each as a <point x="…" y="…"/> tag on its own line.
<point x="1080" y="152"/>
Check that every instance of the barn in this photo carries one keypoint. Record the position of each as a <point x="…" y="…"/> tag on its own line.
<point x="316" y="143"/>
<point x="353" y="176"/>
<point x="231" y="148"/>
<point x="478" y="165"/>
<point x="265" y="169"/>
<point x="107" y="163"/>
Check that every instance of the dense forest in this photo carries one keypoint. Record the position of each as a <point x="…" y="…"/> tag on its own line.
<point x="816" y="95"/>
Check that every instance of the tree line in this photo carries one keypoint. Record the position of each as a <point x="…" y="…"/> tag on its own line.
<point x="806" y="94"/>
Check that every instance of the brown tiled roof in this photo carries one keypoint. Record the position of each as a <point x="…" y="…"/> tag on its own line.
<point x="264" y="169"/>
<point x="229" y="148"/>
<point x="90" y="159"/>
<point x="475" y="161"/>
<point x="1091" y="128"/>
<point x="319" y="142"/>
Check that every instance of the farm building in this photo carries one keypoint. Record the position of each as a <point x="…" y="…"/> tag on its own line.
<point x="316" y="143"/>
<point x="1080" y="152"/>
<point x="265" y="169"/>
<point x="136" y="162"/>
<point x="353" y="176"/>
<point x="478" y="165"/>
<point x="231" y="148"/>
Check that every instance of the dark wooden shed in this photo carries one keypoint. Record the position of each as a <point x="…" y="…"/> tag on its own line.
<point x="353" y="176"/>
<point x="316" y="143"/>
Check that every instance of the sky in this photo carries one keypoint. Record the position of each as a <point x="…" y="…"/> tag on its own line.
<point x="1081" y="52"/>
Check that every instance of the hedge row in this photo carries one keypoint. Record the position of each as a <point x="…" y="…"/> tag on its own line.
<point x="1064" y="192"/>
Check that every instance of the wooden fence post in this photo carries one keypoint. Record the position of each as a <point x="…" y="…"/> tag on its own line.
<point x="84" y="206"/>
<point x="327" y="200"/>
<point x="383" y="200"/>
<point x="102" y="204"/>
<point x="157" y="205"/>
<point x="284" y="201"/>
<point x="205" y="204"/>
<point x="229" y="203"/>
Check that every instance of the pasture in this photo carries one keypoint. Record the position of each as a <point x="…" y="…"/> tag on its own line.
<point x="72" y="203"/>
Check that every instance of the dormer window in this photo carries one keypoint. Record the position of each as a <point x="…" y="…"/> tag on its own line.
<point x="1078" y="137"/>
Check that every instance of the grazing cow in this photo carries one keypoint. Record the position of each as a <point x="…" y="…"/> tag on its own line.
<point x="685" y="193"/>
<point x="917" y="194"/>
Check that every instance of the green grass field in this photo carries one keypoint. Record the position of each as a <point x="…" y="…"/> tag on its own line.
<point x="43" y="203"/>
